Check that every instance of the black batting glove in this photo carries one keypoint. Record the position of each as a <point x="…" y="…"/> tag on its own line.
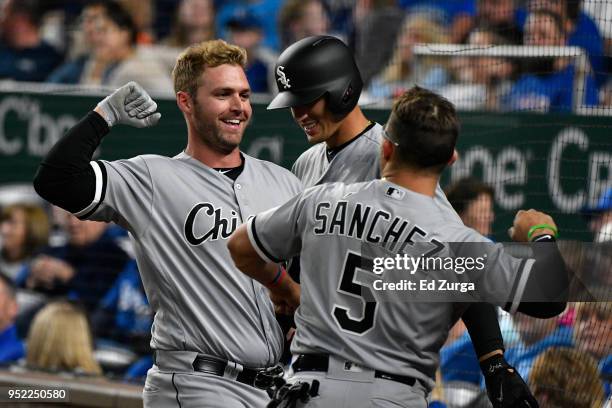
<point x="505" y="387"/>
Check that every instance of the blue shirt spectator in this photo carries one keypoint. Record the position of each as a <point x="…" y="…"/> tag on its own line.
<point x="28" y="64"/>
<point x="458" y="361"/>
<point x="443" y="10"/>
<point x="552" y="92"/>
<point x="584" y="34"/>
<point x="11" y="346"/>
<point x="124" y="311"/>
<point x="265" y="10"/>
<point x="549" y="83"/>
<point x="24" y="55"/>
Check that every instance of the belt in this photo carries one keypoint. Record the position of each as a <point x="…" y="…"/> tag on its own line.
<point x="222" y="368"/>
<point x="320" y="362"/>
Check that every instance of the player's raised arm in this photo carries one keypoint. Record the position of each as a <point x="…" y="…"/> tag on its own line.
<point x="65" y="177"/>
<point x="548" y="279"/>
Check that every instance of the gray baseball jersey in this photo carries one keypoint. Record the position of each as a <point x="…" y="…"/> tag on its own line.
<point x="180" y="214"/>
<point x="359" y="161"/>
<point x="331" y="226"/>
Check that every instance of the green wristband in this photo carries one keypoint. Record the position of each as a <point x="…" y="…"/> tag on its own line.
<point x="542" y="226"/>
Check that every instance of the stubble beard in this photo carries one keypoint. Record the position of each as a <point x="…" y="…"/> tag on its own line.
<point x="212" y="136"/>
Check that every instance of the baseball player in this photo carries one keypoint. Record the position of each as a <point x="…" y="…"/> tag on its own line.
<point x="365" y="353"/>
<point x="214" y="328"/>
<point x="318" y="79"/>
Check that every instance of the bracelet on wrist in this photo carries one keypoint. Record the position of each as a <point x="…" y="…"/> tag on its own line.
<point x="534" y="228"/>
<point x="278" y="278"/>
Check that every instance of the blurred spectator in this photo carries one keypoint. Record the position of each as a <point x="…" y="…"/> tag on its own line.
<point x="11" y="347"/>
<point x="403" y="70"/>
<point x="142" y="14"/>
<point x="549" y="83"/>
<point x="565" y="378"/>
<point x="375" y="22"/>
<point x="500" y="16"/>
<point x="458" y="15"/>
<point x="60" y="340"/>
<point x="601" y="13"/>
<point x="114" y="59"/>
<point x="85" y="35"/>
<point x="580" y="29"/>
<point x="267" y="11"/>
<point x="85" y="268"/>
<point x="537" y="335"/>
<point x="473" y="201"/>
<point x="24" y="55"/>
<point x="194" y="23"/>
<point x="600" y="217"/>
<point x="593" y="335"/>
<point x="245" y="30"/>
<point x="300" y="19"/>
<point x="482" y="81"/>
<point x="124" y="314"/>
<point x="24" y="229"/>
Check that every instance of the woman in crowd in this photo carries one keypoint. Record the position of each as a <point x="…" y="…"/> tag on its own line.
<point x="60" y="340"/>
<point x="24" y="228"/>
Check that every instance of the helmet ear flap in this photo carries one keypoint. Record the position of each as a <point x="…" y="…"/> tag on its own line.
<point x="343" y="99"/>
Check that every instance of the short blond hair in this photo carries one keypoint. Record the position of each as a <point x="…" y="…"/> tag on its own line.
<point x="60" y="339"/>
<point x="196" y="58"/>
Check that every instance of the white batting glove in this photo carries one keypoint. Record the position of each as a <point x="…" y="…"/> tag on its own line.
<point x="129" y="105"/>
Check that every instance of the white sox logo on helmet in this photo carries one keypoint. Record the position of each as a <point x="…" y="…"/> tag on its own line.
<point x="282" y="78"/>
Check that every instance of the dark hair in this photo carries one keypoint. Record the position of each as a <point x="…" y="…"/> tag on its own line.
<point x="425" y="127"/>
<point x="119" y="16"/>
<point x="31" y="8"/>
<point x="461" y="193"/>
<point x="572" y="9"/>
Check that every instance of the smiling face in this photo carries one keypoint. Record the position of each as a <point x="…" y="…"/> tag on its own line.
<point x="221" y="107"/>
<point x="316" y="121"/>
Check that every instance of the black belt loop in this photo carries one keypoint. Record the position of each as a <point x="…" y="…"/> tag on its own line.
<point x="320" y="362"/>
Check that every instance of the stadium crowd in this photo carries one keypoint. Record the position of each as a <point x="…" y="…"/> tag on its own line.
<point x="67" y="284"/>
<point x="107" y="43"/>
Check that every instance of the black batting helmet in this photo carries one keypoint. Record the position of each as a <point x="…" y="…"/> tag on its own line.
<point x="314" y="67"/>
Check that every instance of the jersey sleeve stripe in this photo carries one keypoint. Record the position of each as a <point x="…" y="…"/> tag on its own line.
<point x="255" y="241"/>
<point x="100" y="192"/>
<point x="520" y="284"/>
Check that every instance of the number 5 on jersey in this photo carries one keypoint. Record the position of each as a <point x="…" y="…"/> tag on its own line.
<point x="350" y="287"/>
